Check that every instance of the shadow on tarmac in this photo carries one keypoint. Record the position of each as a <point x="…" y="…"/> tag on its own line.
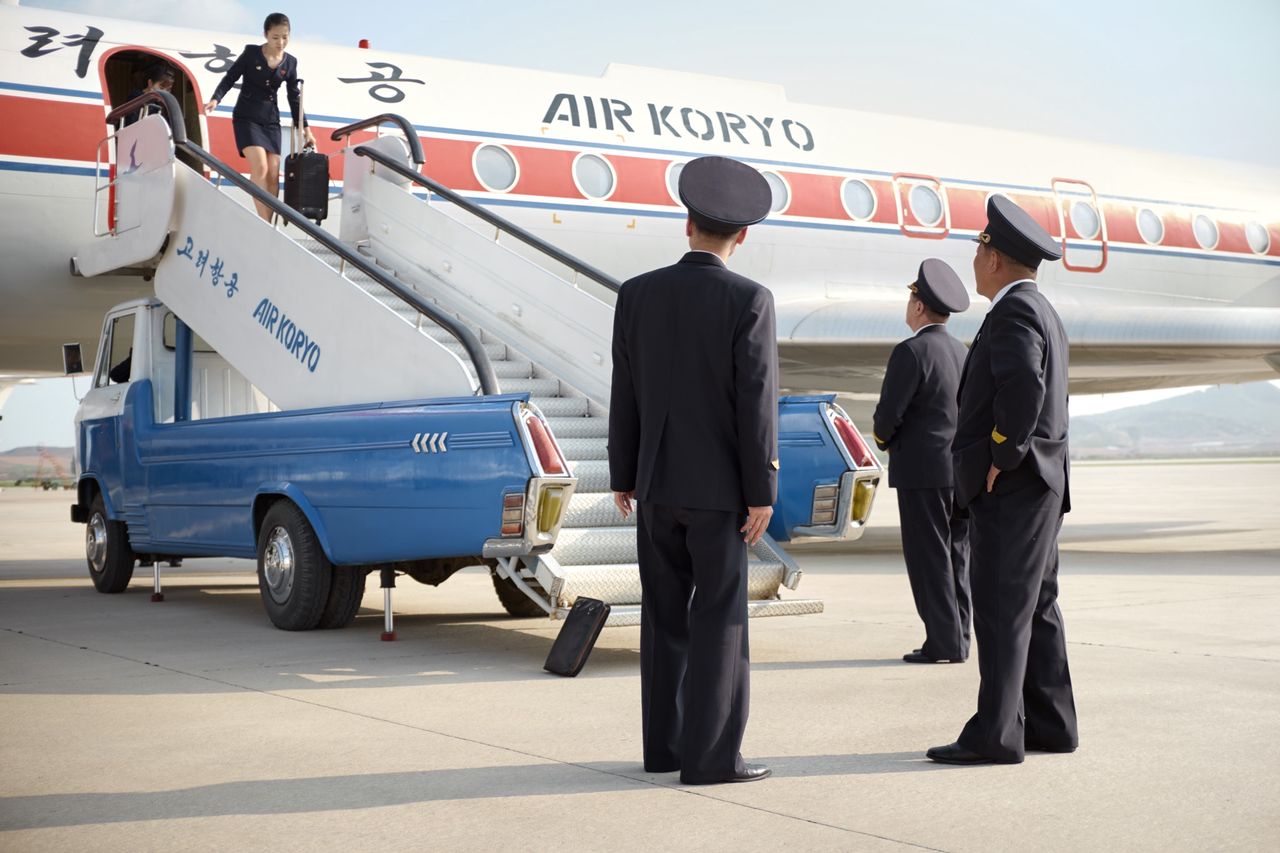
<point x="378" y="790"/>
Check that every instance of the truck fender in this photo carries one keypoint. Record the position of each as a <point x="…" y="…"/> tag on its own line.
<point x="293" y="493"/>
<point x="86" y="487"/>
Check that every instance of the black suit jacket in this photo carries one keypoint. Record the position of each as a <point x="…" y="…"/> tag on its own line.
<point x="1013" y="399"/>
<point x="693" y="417"/>
<point x="257" y="100"/>
<point x="915" y="419"/>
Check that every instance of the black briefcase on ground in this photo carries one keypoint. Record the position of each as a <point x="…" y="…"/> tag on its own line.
<point x="306" y="177"/>
<point x="577" y="637"/>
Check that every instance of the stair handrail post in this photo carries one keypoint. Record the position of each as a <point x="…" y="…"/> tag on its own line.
<point x="410" y="134"/>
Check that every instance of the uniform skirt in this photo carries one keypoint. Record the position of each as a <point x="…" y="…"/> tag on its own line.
<point x="251" y="133"/>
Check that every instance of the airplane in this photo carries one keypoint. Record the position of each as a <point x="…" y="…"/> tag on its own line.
<point x="1170" y="277"/>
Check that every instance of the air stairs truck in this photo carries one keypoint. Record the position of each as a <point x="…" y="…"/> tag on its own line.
<point x="268" y="354"/>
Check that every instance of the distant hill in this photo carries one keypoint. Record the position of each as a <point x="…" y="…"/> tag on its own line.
<point x="23" y="463"/>
<point x="1227" y="420"/>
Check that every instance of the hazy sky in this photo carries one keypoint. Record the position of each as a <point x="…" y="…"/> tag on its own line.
<point x="1194" y="78"/>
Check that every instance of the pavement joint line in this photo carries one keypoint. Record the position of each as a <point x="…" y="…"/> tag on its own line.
<point x="473" y="741"/>
<point x="1199" y="598"/>
<point x="1172" y="652"/>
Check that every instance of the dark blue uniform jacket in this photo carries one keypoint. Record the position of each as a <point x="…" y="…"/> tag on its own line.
<point x="1013" y="400"/>
<point x="693" y="419"/>
<point x="915" y="419"/>
<point x="257" y="100"/>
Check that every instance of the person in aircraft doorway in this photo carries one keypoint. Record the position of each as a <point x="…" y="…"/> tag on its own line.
<point x="915" y="421"/>
<point x="693" y="436"/>
<point x="262" y="68"/>
<point x="160" y="78"/>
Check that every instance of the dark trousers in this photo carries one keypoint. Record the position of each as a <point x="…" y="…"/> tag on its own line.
<point x="694" y="662"/>
<point x="1025" y="694"/>
<point x="935" y="545"/>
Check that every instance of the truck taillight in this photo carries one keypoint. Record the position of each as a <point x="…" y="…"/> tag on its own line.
<point x="853" y="442"/>
<point x="545" y="446"/>
<point x="513" y="514"/>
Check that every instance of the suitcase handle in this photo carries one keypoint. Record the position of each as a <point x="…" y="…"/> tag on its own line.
<point x="295" y="131"/>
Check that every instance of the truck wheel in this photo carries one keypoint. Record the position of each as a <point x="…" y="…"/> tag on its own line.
<point x="106" y="548"/>
<point x="346" y="591"/>
<point x="294" y="575"/>
<point x="514" y="601"/>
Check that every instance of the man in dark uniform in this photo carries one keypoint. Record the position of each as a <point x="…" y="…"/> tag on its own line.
<point x="1012" y="472"/>
<point x="915" y="421"/>
<point x="693" y="437"/>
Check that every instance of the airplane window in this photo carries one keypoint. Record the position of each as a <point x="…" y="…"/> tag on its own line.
<point x="594" y="175"/>
<point x="1206" y="231"/>
<point x="495" y="167"/>
<point x="926" y="205"/>
<point x="859" y="200"/>
<point x="673" y="180"/>
<point x="1150" y="225"/>
<point x="781" y="195"/>
<point x="1259" y="239"/>
<point x="1085" y="219"/>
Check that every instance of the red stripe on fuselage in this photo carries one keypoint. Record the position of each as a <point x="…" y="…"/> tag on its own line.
<point x="59" y="130"/>
<point x="71" y="130"/>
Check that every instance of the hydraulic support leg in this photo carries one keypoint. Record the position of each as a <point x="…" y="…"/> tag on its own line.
<point x="157" y="593"/>
<point x="388" y="617"/>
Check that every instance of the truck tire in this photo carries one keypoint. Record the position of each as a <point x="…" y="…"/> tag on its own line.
<point x="107" y="551"/>
<point x="294" y="576"/>
<point x="346" y="591"/>
<point x="514" y="601"/>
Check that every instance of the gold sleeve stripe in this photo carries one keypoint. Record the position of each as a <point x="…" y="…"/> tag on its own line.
<point x="997" y="437"/>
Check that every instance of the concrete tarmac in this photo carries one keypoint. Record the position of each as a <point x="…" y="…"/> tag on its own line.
<point x="194" y="725"/>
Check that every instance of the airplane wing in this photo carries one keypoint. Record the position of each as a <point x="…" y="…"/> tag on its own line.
<point x="842" y="345"/>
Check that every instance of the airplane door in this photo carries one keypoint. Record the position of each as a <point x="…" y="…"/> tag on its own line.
<point x="1081" y="224"/>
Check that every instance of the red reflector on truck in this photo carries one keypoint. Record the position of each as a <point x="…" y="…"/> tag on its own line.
<point x="853" y="443"/>
<point x="545" y="446"/>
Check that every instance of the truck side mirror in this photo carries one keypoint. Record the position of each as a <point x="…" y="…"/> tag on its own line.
<point x="72" y="363"/>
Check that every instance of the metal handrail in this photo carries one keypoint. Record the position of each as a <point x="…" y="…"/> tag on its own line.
<point x="493" y="219"/>
<point x="479" y="358"/>
<point x="177" y="127"/>
<point x="410" y="135"/>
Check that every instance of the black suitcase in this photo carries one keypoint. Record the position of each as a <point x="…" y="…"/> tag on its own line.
<point x="577" y="637"/>
<point x="306" y="184"/>
<point x="306" y="176"/>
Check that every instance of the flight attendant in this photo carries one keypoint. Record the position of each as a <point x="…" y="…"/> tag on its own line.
<point x="1012" y="472"/>
<point x="915" y="421"/>
<point x="693" y="433"/>
<point x="262" y="68"/>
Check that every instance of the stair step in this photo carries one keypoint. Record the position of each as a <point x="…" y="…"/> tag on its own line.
<point x="596" y="510"/>
<point x="584" y="449"/>
<point x="619" y="583"/>
<point x="596" y="545"/>
<point x="534" y="387"/>
<point x="593" y="427"/>
<point x="593" y="476"/>
<point x="560" y="407"/>
<point x="496" y="352"/>
<point x="504" y="369"/>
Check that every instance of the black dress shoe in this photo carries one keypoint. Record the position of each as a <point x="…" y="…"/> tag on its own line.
<point x="920" y="657"/>
<point x="753" y="773"/>
<point x="954" y="753"/>
<point x="663" y="769"/>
